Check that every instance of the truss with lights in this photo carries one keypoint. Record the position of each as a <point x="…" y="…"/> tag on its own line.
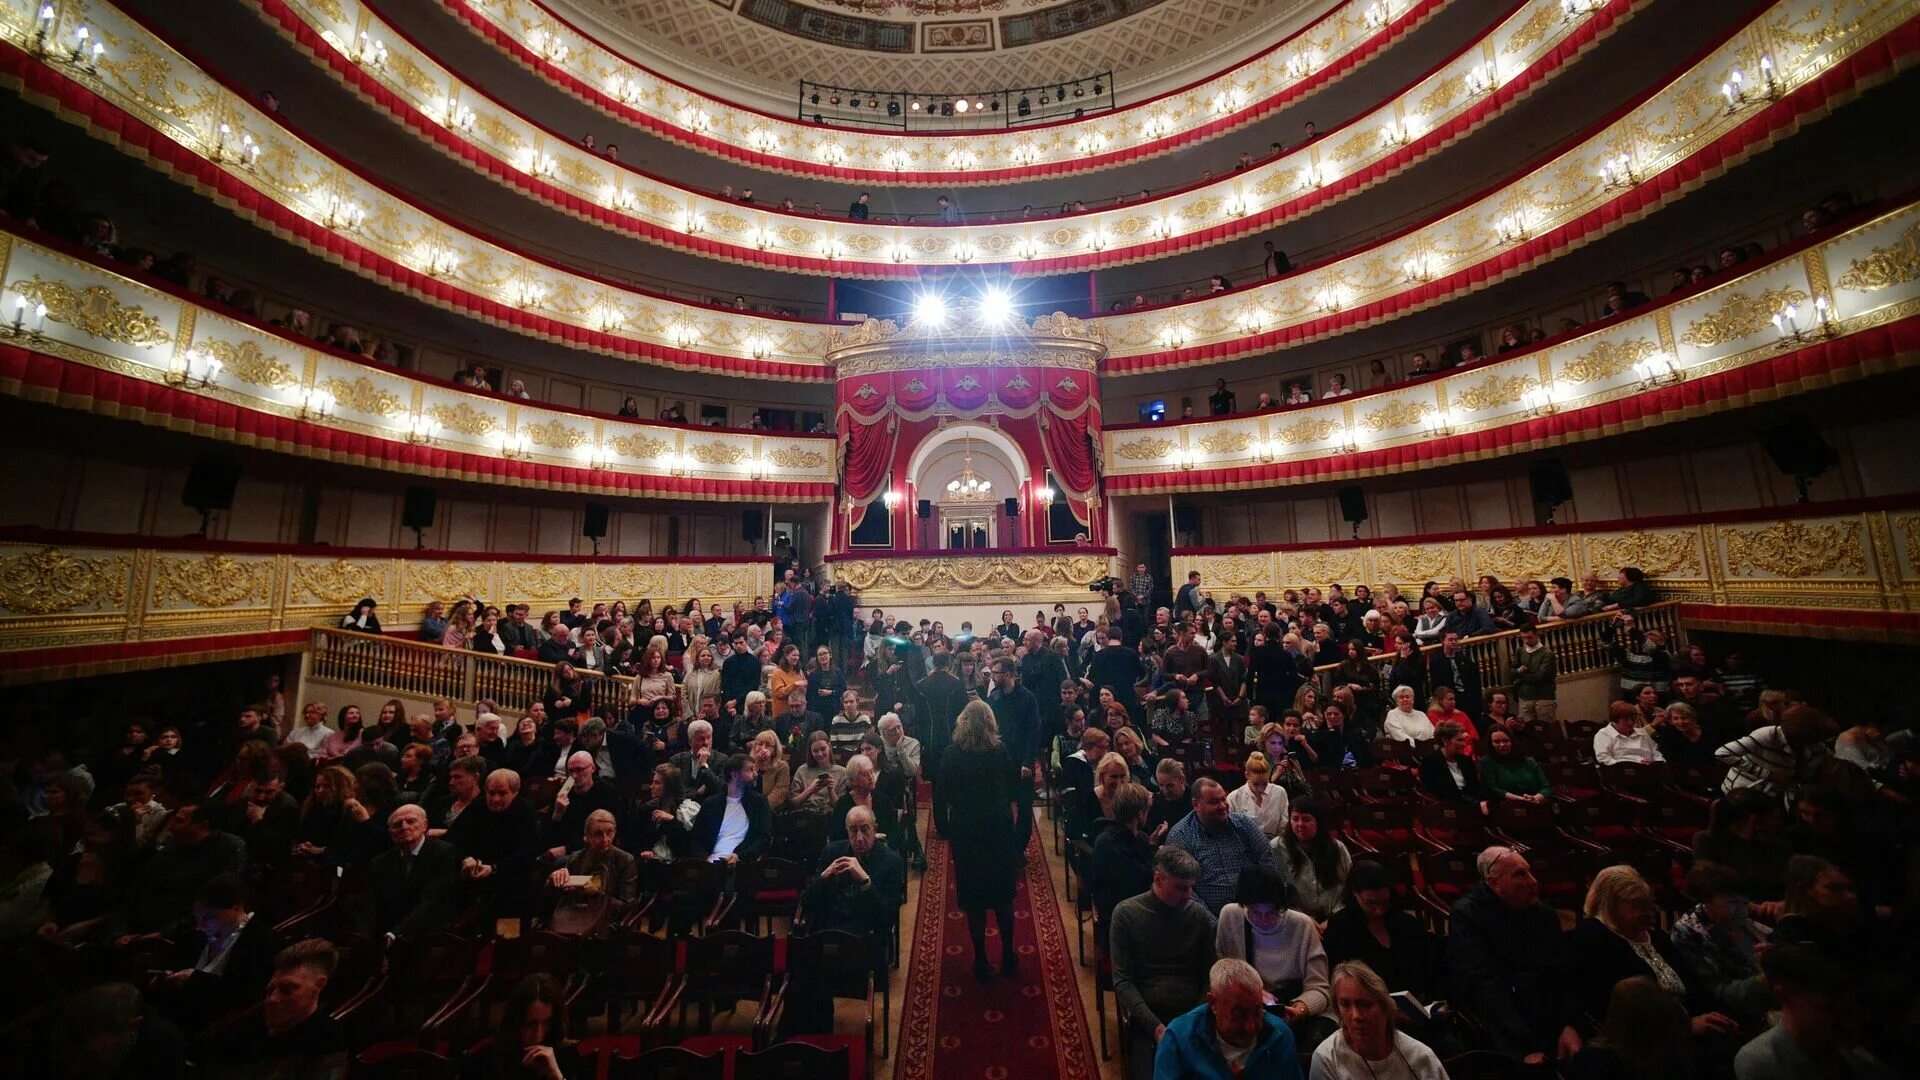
<point x="908" y="110"/>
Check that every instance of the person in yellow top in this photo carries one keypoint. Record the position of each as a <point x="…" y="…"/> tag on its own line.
<point x="786" y="677"/>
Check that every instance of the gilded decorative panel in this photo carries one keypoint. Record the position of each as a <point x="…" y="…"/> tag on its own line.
<point x="631" y="580"/>
<point x="336" y="582"/>
<point x="1662" y="553"/>
<point x="1517" y="558"/>
<point x="1322" y="568"/>
<point x="95" y="311"/>
<point x="1795" y="550"/>
<point x="51" y="581"/>
<point x="543" y="582"/>
<point x="1426" y="562"/>
<point x="446" y="581"/>
<point x="1234" y="571"/>
<point x="974" y="577"/>
<point x="211" y="581"/>
<point x="707" y="582"/>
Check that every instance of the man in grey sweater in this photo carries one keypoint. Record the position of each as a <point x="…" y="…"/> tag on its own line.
<point x="1162" y="947"/>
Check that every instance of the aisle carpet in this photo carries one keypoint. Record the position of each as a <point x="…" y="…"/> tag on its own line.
<point x="1031" y="1025"/>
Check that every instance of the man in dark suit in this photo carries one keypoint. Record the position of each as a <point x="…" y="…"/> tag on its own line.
<point x="1451" y="667"/>
<point x="1017" y="715"/>
<point x="579" y="798"/>
<point x="859" y="888"/>
<point x="739" y="673"/>
<point x="737" y="823"/>
<point x="266" y="821"/>
<point x="942" y="696"/>
<point x="220" y="963"/>
<point x="410" y="885"/>
<point x="1451" y="775"/>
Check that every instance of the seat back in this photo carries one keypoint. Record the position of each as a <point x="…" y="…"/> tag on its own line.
<point x="794" y="1060"/>
<point x="668" y="1063"/>
<point x="1453" y="824"/>
<point x="771" y="875"/>
<point x="728" y="962"/>
<point x="835" y="962"/>
<point x="695" y="876"/>
<point x="402" y="1059"/>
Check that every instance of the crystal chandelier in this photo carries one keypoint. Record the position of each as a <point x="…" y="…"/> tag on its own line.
<point x="970" y="486"/>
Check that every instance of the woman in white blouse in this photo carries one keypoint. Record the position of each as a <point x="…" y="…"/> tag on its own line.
<point x="1336" y="387"/>
<point x="1431" y="624"/>
<point x="1403" y="721"/>
<point x="1265" y="803"/>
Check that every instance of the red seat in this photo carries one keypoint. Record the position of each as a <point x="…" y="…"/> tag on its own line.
<point x="769" y="888"/>
<point x="1457" y="825"/>
<point x="1385" y="783"/>
<point x="1383" y="827"/>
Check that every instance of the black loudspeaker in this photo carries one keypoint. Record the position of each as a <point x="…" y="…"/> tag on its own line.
<point x="417" y="511"/>
<point x="1013" y="506"/>
<point x="593" y="525"/>
<point x="1186" y="519"/>
<point x="924" y="508"/>
<point x="1549" y="482"/>
<point x="210" y="484"/>
<point x="1798" y="450"/>
<point x="753" y="526"/>
<point x="1353" y="506"/>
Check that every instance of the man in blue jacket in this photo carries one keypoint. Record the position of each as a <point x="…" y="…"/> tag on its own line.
<point x="1232" y="1035"/>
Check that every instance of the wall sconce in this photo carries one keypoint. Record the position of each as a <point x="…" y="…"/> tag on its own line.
<point x="1787" y="323"/>
<point x="1097" y="239"/>
<point x="548" y="44"/>
<point x="43" y="29"/>
<point x="963" y="251"/>
<point x="685" y="335"/>
<point x="343" y="215"/>
<point x="1657" y="370"/>
<point x="1173" y="336"/>
<point x="316" y="404"/>
<point x="371" y="51"/>
<point x="1617" y="171"/>
<point x="1329" y="299"/>
<point x="1045" y="496"/>
<point x="1162" y="228"/>
<point x="1264" y="450"/>
<point x="1438" y="423"/>
<point x="198" y="372"/>
<point x="1237" y="206"/>
<point x="86" y="48"/>
<point x="441" y="261"/>
<point x="1378" y="15"/>
<point x="611" y="320"/>
<point x="1512" y="227"/>
<point x="1186" y="458"/>
<point x="1419" y="269"/>
<point x="1301" y="64"/>
<point x="1539" y="401"/>
<point x="458" y="116"/>
<point x="247" y="153"/>
<point x="759" y="347"/>
<point x="1024" y="249"/>
<point x="625" y="89"/>
<point x="692" y="223"/>
<point x="1770" y="84"/>
<point x="1349" y="439"/>
<point x="596" y="456"/>
<point x="1573" y="9"/>
<point x="757" y="467"/>
<point x="528" y="295"/>
<point x="421" y="429"/>
<point x="1483" y="78"/>
<point x="1393" y="134"/>
<point x="515" y="446"/>
<point x="1251" y="322"/>
<point x="18" y="328"/>
<point x="892" y="499"/>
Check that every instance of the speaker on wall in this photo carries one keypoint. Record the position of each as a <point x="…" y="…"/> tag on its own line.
<point x="1798" y="450"/>
<point x="1013" y="506"/>
<point x="753" y="526"/>
<point x="593" y="525"/>
<point x="1550" y="485"/>
<point x="1353" y="506"/>
<point x="210" y="484"/>
<point x="924" y="508"/>
<point x="417" y="512"/>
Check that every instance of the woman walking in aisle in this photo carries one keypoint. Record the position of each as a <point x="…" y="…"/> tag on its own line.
<point x="974" y="804"/>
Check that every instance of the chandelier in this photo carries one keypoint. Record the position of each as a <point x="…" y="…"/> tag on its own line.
<point x="970" y="486"/>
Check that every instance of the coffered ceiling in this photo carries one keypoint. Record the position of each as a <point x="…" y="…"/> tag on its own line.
<point x="949" y="45"/>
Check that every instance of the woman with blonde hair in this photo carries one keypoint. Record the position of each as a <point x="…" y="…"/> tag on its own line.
<point x="1620" y="938"/>
<point x="1369" y="1045"/>
<point x="776" y="776"/>
<point x="1306" y="699"/>
<point x="1264" y="802"/>
<point x="1109" y="776"/>
<point x="460" y="622"/>
<point x="702" y="679"/>
<point x="973" y="807"/>
<point x="1130" y="746"/>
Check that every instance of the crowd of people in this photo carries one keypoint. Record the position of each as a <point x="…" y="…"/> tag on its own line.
<point x="1193" y="755"/>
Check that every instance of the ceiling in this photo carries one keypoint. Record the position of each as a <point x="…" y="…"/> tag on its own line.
<point x="932" y="45"/>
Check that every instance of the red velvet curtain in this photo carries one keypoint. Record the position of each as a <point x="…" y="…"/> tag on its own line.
<point x="869" y="455"/>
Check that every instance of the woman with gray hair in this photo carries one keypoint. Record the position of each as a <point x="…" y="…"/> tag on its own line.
<point x="1370" y="1046"/>
<point x="1620" y="939"/>
<point x="973" y="808"/>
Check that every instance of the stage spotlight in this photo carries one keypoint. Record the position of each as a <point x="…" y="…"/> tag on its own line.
<point x="893" y="108"/>
<point x="914" y="105"/>
<point x="996" y="104"/>
<point x="961" y="106"/>
<point x="996" y="307"/>
<point x="1025" y="107"/>
<point x="1096" y="88"/>
<point x="816" y="97"/>
<point x="930" y="311"/>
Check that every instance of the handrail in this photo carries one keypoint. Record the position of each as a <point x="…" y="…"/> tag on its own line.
<point x="423" y="669"/>
<point x="1576" y="645"/>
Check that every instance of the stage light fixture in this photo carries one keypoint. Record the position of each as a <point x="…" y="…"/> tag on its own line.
<point x="1096" y="88"/>
<point x="815" y="98"/>
<point x="1025" y="107"/>
<point x="914" y="105"/>
<point x="961" y="106"/>
<point x="996" y="105"/>
<point x="996" y="307"/>
<point x="893" y="108"/>
<point x="930" y="310"/>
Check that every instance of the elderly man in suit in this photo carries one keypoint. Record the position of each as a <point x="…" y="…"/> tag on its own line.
<point x="618" y="871"/>
<point x="410" y="885"/>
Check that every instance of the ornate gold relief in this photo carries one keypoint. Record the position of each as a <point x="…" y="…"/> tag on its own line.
<point x="1534" y="29"/>
<point x="579" y="173"/>
<point x="1520" y="558"/>
<point x="497" y="131"/>
<point x="718" y="453"/>
<point x="630" y="582"/>
<point x="1607" y="360"/>
<point x="1656" y="553"/>
<point x="1226" y="442"/>
<point x="412" y="75"/>
<point x="554" y="434"/>
<point x="1910" y="530"/>
<point x="1307" y="431"/>
<point x="641" y="446"/>
<point x="1145" y="449"/>
<point x="541" y="582"/>
<point x="1358" y="145"/>
<point x="248" y="363"/>
<point x="1740" y="316"/>
<point x="95" y="311"/>
<point x="446" y="581"/>
<point x="1396" y="414"/>
<point x="711" y="581"/>
<point x="337" y="582"/>
<point x="975" y="574"/>
<point x="1885" y="267"/>
<point x="1414" y="563"/>
<point x="463" y="418"/>
<point x="793" y="457"/>
<point x="1320" y="568"/>
<point x="1448" y="88"/>
<point x="1236" y="571"/>
<point x="1495" y="392"/>
<point x="1794" y="549"/>
<point x="361" y="395"/>
<point x="215" y="581"/>
<point x="50" y="581"/>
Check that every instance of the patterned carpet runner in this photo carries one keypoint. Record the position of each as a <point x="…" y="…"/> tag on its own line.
<point x="1030" y="1025"/>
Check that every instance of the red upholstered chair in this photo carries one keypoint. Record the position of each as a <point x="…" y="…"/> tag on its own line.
<point x="1383" y="827"/>
<point x="1445" y="876"/>
<point x="1451" y="825"/>
<point x="830" y="962"/>
<point x="640" y="969"/>
<point x="670" y="1063"/>
<point x="797" y="1059"/>
<point x="725" y="968"/>
<point x="1385" y="783"/>
<point x="769" y="888"/>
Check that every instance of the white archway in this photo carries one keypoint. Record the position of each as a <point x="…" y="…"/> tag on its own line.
<point x="953" y="433"/>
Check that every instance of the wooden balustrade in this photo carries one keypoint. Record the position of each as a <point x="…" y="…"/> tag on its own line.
<point x="1576" y="644"/>
<point x="421" y="670"/>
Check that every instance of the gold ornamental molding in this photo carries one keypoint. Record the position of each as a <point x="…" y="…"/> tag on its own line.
<point x="511" y="149"/>
<point x="627" y="91"/>
<point x="1729" y="326"/>
<point x="966" y="335"/>
<point x="62" y="595"/>
<point x="139" y="331"/>
<point x="1801" y="558"/>
<point x="967" y="579"/>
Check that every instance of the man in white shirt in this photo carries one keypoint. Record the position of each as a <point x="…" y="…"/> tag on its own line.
<point x="737" y="823"/>
<point x="1620" y="742"/>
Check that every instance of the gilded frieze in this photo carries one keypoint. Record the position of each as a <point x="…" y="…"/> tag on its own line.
<point x="718" y="453"/>
<point x="1399" y="413"/>
<point x="463" y="418"/>
<point x="1495" y="392"/>
<point x="554" y="435"/>
<point x="537" y="582"/>
<point x="794" y="457"/>
<point x="644" y="447"/>
<point x="1530" y="33"/>
<point x="1795" y="549"/>
<point x="94" y="310"/>
<point x="1236" y="571"/>
<point x="1226" y="442"/>
<point x="1425" y="563"/>
<point x="250" y="364"/>
<point x="1323" y="567"/>
<point x="50" y="581"/>
<point x="1521" y="558"/>
<point x="1659" y="554"/>
<point x="1895" y="264"/>
<point x="212" y="581"/>
<point x="362" y="395"/>
<point x="1741" y="316"/>
<point x="446" y="581"/>
<point x="337" y="582"/>
<point x="1607" y="360"/>
<point x="1309" y="430"/>
<point x="632" y="581"/>
<point x="1149" y="449"/>
<point x="714" y="580"/>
